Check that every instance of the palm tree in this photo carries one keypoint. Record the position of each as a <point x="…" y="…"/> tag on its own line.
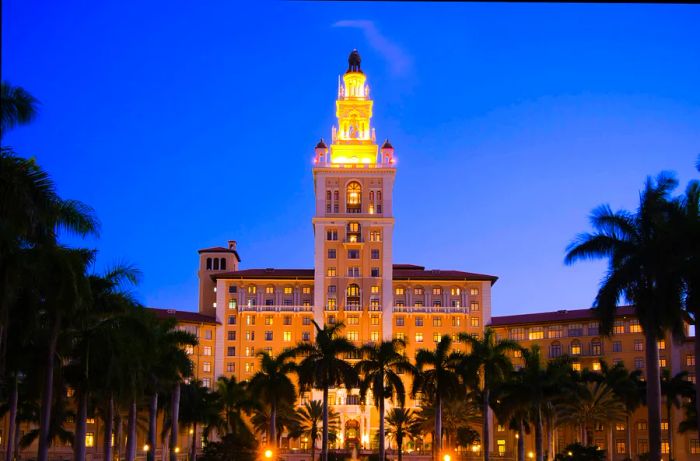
<point x="645" y="269"/>
<point x="485" y="366"/>
<point x="674" y="388"/>
<point x="437" y="378"/>
<point x="401" y="423"/>
<point x="198" y="406"/>
<point x="235" y="402"/>
<point x="310" y="415"/>
<point x="272" y="386"/>
<point x="510" y="407"/>
<point x="19" y="107"/>
<point x="285" y="418"/>
<point x="322" y="366"/>
<point x="596" y="403"/>
<point x="379" y="369"/>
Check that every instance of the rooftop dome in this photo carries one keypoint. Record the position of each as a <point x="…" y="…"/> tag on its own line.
<point x="354" y="61"/>
<point x="321" y="144"/>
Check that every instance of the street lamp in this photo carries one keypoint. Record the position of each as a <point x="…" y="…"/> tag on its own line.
<point x="146" y="447"/>
<point x="446" y="457"/>
<point x="267" y="454"/>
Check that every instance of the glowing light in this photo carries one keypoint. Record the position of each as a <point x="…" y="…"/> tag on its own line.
<point x="446" y="457"/>
<point x="517" y="436"/>
<point x="146" y="447"/>
<point x="177" y="449"/>
<point x="365" y="438"/>
<point x="530" y="455"/>
<point x="191" y="431"/>
<point x="268" y="453"/>
<point x="476" y="448"/>
<point x="570" y="453"/>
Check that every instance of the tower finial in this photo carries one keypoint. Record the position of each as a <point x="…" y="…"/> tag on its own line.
<point x="354" y="61"/>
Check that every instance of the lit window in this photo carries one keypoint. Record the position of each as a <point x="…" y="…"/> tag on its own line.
<point x="374" y="336"/>
<point x="536" y="333"/>
<point x="374" y="289"/>
<point x="662" y="344"/>
<point x="575" y="348"/>
<point x="619" y="426"/>
<point x="664" y="447"/>
<point x="436" y="337"/>
<point x="288" y="290"/>
<point x="287" y="336"/>
<point x="662" y="362"/>
<point x="620" y="447"/>
<point x="455" y="291"/>
<point x="375" y="320"/>
<point x="330" y="272"/>
<point x="474" y="321"/>
<point x="437" y="321"/>
<point x="554" y="332"/>
<point x="419" y="337"/>
<point x="456" y="321"/>
<point x="400" y="291"/>
<point x="232" y="304"/>
<point x="90" y="439"/>
<point x="400" y="335"/>
<point x="248" y="367"/>
<point x="619" y="327"/>
<point x="690" y="360"/>
<point x="576" y="366"/>
<point x="268" y="320"/>
<point x="596" y="366"/>
<point x="353" y="197"/>
<point x="641" y="425"/>
<point x="249" y="351"/>
<point x="206" y="367"/>
<point x="250" y="320"/>
<point x="474" y="291"/>
<point x="517" y="353"/>
<point x="306" y="290"/>
<point x="269" y="290"/>
<point x="250" y="336"/>
<point x="375" y="236"/>
<point x="474" y="306"/>
<point x="501" y="444"/>
<point x="437" y="291"/>
<point x="252" y="289"/>
<point x="206" y="350"/>
<point x="418" y="291"/>
<point x="694" y="446"/>
<point x="353" y="320"/>
<point x="353" y="336"/>
<point x="635" y="327"/>
<point x="189" y="350"/>
<point x="206" y="382"/>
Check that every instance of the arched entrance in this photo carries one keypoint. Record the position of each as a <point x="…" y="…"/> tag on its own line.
<point x="352" y="434"/>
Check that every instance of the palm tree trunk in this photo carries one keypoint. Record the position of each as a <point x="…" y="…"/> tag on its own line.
<point x="193" y="446"/>
<point x="152" y="427"/>
<point x="697" y="370"/>
<point x="324" y="436"/>
<point x="485" y="424"/>
<point x="437" y="439"/>
<point x="538" y="435"/>
<point x="629" y="437"/>
<point x="653" y="395"/>
<point x="47" y="394"/>
<point x="108" y="429"/>
<point x="399" y="445"/>
<point x="174" y="417"/>
<point x="273" y="424"/>
<point x="521" y="441"/>
<point x="164" y="449"/>
<point x="382" y="448"/>
<point x="313" y="449"/>
<point x="120" y="435"/>
<point x="12" y="424"/>
<point x="80" y="425"/>
<point x="131" y="433"/>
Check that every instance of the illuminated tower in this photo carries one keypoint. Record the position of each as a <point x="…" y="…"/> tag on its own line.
<point x="353" y="224"/>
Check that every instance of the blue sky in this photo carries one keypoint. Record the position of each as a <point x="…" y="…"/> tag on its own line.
<point x="185" y="124"/>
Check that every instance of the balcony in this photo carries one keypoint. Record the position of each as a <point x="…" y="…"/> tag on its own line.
<point x="282" y="308"/>
<point x="431" y="309"/>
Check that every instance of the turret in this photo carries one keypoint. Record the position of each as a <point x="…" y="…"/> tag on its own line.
<point x="321" y="152"/>
<point x="387" y="151"/>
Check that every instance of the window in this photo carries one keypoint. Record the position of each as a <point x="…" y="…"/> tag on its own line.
<point x="436" y="337"/>
<point x="400" y="335"/>
<point x="575" y="348"/>
<point x="437" y="321"/>
<point x="517" y="334"/>
<point x="474" y="306"/>
<point x="596" y="347"/>
<point x="517" y="353"/>
<point x="639" y="363"/>
<point x="189" y="350"/>
<point x="575" y="329"/>
<point x="635" y="327"/>
<point x="353" y="254"/>
<point x="536" y="333"/>
<point x="596" y="366"/>
<point x="619" y="327"/>
<point x="375" y="272"/>
<point x="306" y="290"/>
<point x="330" y="272"/>
<point x="662" y="362"/>
<point x="375" y="254"/>
<point x="249" y="351"/>
<point x="353" y="271"/>
<point x="232" y="289"/>
<point x="353" y="197"/>
<point x="642" y="446"/>
<point x="306" y="321"/>
<point x="418" y="291"/>
<point x="332" y="234"/>
<point x="332" y="306"/>
<point x="437" y="291"/>
<point x="353" y="336"/>
<point x="206" y="367"/>
<point x="375" y="320"/>
<point x="287" y="320"/>
<point x="620" y="447"/>
<point x="353" y="400"/>
<point x="664" y="447"/>
<point x="208" y="264"/>
<point x="619" y="426"/>
<point x="374" y="336"/>
<point x="331" y="319"/>
<point x="332" y="289"/>
<point x="474" y="291"/>
<point x="554" y="332"/>
<point x="250" y="320"/>
<point x="250" y="336"/>
<point x="287" y="336"/>
<point x="638" y="345"/>
<point x="617" y="346"/>
<point x="474" y="321"/>
<point x="232" y="304"/>
<point x="231" y="335"/>
<point x="576" y="366"/>
<point x="419" y="321"/>
<point x="231" y="319"/>
<point x="456" y="321"/>
<point x="206" y="350"/>
<point x="690" y="360"/>
<point x="455" y="291"/>
<point x="89" y="439"/>
<point x="374" y="289"/>
<point x="269" y="290"/>
<point x="593" y="329"/>
<point x="231" y="351"/>
<point x="216" y="264"/>
<point x="353" y="320"/>
<point x="231" y="367"/>
<point x="400" y="291"/>
<point x="419" y="337"/>
<point x="306" y="336"/>
<point x="555" y="349"/>
<point x="248" y="367"/>
<point x="268" y="320"/>
<point x="252" y="290"/>
<point x="501" y="444"/>
<point x="662" y="344"/>
<point x="268" y="336"/>
<point x="694" y="446"/>
<point x="642" y="425"/>
<point x="375" y="236"/>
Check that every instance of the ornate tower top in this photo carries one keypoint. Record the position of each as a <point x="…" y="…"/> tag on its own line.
<point x="353" y="140"/>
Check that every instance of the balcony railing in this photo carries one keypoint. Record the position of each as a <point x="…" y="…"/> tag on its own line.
<point x="276" y="308"/>
<point x="432" y="309"/>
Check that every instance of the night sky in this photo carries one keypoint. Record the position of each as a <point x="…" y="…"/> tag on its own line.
<point x="185" y="124"/>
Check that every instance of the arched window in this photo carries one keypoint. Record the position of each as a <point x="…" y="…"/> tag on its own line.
<point x="223" y="264"/>
<point x="353" y="296"/>
<point x="353" y="197"/>
<point x="216" y="264"/>
<point x="576" y="347"/>
<point x="208" y="264"/>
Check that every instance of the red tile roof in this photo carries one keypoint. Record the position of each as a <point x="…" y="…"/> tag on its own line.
<point x="220" y="250"/>
<point x="401" y="272"/>
<point x="182" y="316"/>
<point x="556" y="316"/>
